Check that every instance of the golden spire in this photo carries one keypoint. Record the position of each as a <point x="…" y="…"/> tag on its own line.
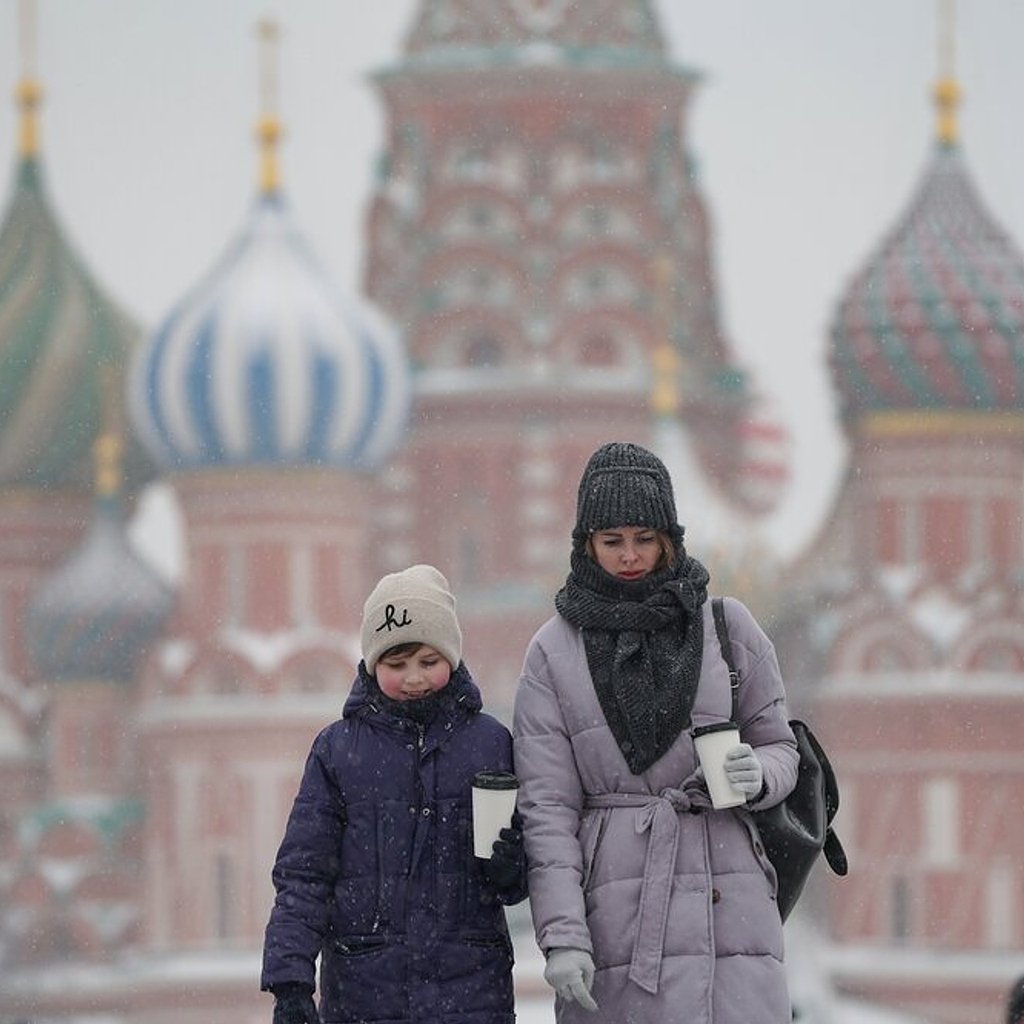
<point x="28" y="93"/>
<point x="665" y="389"/>
<point x="665" y="392"/>
<point x="107" y="453"/>
<point x="108" y="449"/>
<point x="947" y="89"/>
<point x="268" y="127"/>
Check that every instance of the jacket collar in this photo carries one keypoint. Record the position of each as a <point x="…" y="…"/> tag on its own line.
<point x="456" y="702"/>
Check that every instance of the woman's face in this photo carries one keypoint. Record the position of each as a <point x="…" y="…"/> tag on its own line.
<point x="413" y="674"/>
<point x="627" y="552"/>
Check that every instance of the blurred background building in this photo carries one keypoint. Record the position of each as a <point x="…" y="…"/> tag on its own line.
<point x="904" y="625"/>
<point x="539" y="246"/>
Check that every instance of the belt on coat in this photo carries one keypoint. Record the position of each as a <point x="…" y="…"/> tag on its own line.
<point x="659" y="814"/>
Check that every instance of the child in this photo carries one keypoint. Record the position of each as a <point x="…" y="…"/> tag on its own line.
<point x="376" y="873"/>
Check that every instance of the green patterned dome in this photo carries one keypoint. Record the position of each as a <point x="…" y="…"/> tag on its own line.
<point x="935" y="320"/>
<point x="63" y="345"/>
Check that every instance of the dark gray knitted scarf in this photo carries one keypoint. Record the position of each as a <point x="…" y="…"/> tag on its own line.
<point x="644" y="641"/>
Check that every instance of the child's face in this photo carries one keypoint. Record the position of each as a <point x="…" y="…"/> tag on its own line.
<point x="412" y="675"/>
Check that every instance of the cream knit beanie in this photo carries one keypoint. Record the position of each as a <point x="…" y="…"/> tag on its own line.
<point x="411" y="606"/>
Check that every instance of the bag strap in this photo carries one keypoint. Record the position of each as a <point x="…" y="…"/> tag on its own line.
<point x="722" y="629"/>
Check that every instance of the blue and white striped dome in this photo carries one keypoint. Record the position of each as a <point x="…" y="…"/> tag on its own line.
<point x="261" y="365"/>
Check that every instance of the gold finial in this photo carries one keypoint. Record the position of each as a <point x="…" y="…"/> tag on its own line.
<point x="664" y="396"/>
<point x="268" y="127"/>
<point x="28" y="93"/>
<point x="665" y="393"/>
<point x="947" y="89"/>
<point x="108" y="449"/>
<point x="107" y="452"/>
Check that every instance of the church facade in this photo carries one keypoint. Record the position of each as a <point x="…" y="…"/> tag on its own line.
<point x="539" y="247"/>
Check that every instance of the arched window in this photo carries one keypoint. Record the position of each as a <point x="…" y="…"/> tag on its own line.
<point x="598" y="350"/>
<point x="997" y="654"/>
<point x="882" y="646"/>
<point x="312" y="673"/>
<point x="224" y="897"/>
<point x="221" y="676"/>
<point x="600" y="284"/>
<point x="599" y="221"/>
<point x="479" y="219"/>
<point x="899" y="909"/>
<point x="886" y="656"/>
<point x="223" y="682"/>
<point x="480" y="216"/>
<point x="483" y="350"/>
<point x="476" y="285"/>
<point x="472" y="164"/>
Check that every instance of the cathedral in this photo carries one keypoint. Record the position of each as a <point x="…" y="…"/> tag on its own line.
<point x="538" y="280"/>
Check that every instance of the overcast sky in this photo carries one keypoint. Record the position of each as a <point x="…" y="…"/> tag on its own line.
<point x="811" y="127"/>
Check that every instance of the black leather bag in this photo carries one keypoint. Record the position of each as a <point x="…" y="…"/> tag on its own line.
<point x="798" y="830"/>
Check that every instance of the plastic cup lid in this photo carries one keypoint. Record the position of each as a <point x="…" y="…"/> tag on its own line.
<point x="495" y="780"/>
<point x="703" y="730"/>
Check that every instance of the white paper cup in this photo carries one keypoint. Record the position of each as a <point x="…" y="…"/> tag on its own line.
<point x="494" y="800"/>
<point x="713" y="742"/>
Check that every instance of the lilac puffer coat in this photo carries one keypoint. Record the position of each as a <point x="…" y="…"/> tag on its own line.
<point x="675" y="901"/>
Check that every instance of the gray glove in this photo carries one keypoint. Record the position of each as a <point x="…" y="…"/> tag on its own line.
<point x="743" y="770"/>
<point x="570" y="972"/>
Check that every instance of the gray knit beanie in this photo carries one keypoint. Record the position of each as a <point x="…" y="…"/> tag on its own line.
<point x="411" y="606"/>
<point x="625" y="485"/>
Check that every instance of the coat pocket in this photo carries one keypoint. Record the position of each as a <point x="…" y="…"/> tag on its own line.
<point x="590" y="835"/>
<point x="757" y="848"/>
<point x="486" y="940"/>
<point x="361" y="978"/>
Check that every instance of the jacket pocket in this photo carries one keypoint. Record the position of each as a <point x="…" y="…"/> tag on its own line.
<point x="491" y="940"/>
<point x="359" y="945"/>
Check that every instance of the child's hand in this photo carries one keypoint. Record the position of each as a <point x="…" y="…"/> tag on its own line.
<point x="293" y="1004"/>
<point x="506" y="866"/>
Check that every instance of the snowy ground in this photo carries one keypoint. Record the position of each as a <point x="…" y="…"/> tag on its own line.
<point x="535" y="1011"/>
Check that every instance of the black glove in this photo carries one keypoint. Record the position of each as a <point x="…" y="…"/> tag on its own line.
<point x="506" y="866"/>
<point x="293" y="1004"/>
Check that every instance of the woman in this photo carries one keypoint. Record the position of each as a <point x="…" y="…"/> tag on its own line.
<point x="649" y="905"/>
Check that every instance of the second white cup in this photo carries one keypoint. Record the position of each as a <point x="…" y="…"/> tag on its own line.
<point x="494" y="800"/>
<point x="713" y="742"/>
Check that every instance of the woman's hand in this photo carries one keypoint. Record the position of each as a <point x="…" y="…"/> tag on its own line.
<point x="570" y="972"/>
<point x="743" y="770"/>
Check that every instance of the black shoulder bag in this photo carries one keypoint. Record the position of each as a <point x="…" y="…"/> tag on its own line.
<point x="797" y="830"/>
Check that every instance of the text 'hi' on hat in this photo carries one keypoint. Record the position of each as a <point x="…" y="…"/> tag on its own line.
<point x="411" y="606"/>
<point x="624" y="485"/>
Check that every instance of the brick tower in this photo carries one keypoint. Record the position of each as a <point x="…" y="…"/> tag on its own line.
<point x="538" y="233"/>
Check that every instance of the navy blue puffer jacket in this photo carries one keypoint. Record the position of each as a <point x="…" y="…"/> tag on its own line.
<point x="376" y="871"/>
